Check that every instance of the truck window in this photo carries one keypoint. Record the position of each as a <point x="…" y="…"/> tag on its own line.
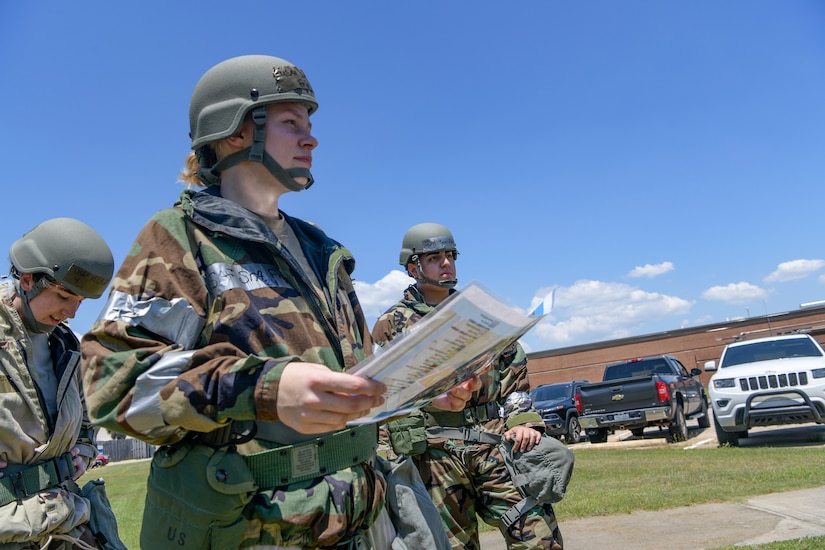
<point x="614" y="372"/>
<point x="681" y="368"/>
<point x="636" y="369"/>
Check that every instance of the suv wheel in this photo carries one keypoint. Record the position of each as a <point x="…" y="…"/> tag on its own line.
<point x="574" y="430"/>
<point x="725" y="438"/>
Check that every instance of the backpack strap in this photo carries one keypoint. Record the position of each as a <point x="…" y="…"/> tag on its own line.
<point x="465" y="434"/>
<point x="517" y="510"/>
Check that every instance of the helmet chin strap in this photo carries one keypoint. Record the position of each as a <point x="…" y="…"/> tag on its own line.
<point x="28" y="315"/>
<point x="449" y="283"/>
<point x="211" y="175"/>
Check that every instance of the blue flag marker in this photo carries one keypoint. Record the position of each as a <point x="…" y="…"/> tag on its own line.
<point x="546" y="305"/>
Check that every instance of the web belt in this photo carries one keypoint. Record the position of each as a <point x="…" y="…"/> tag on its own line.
<point x="310" y="459"/>
<point x="465" y="434"/>
<point x="30" y="479"/>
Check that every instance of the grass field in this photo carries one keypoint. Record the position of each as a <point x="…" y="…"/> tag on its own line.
<point x="808" y="543"/>
<point x="605" y="481"/>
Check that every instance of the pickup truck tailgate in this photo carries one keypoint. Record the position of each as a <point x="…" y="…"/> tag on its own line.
<point x="619" y="395"/>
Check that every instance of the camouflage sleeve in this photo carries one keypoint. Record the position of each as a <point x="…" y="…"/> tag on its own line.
<point x="392" y="323"/>
<point x="382" y="331"/>
<point x="147" y="368"/>
<point x="513" y="369"/>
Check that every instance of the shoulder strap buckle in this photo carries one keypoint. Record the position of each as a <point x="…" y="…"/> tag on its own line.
<point x="18" y="485"/>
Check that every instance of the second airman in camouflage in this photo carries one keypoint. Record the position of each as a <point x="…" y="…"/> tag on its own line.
<point x="460" y="462"/>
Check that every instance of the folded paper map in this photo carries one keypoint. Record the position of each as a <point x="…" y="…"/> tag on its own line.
<point x="462" y="336"/>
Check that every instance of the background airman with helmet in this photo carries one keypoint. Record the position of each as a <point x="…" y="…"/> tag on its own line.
<point x="46" y="438"/>
<point x="460" y="463"/>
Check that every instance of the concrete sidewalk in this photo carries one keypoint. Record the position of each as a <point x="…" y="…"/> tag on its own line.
<point x="766" y="518"/>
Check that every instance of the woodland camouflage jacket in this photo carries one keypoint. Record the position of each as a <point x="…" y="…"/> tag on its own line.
<point x="203" y="316"/>
<point x="508" y="375"/>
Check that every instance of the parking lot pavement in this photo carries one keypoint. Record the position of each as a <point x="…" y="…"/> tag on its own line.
<point x="810" y="434"/>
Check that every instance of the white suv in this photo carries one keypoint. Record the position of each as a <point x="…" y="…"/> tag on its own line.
<point x="767" y="382"/>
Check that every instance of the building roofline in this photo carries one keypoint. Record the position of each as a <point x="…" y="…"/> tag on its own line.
<point x="744" y="322"/>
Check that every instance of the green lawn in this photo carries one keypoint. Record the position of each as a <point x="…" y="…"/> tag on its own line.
<point x="126" y="489"/>
<point x="605" y="481"/>
<point x="808" y="543"/>
<point x="616" y="481"/>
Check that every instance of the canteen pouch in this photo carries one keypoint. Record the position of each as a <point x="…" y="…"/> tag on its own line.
<point x="543" y="472"/>
<point x="102" y="521"/>
<point x="408" y="435"/>
<point x="195" y="498"/>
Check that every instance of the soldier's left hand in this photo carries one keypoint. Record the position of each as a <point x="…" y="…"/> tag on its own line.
<point x="523" y="438"/>
<point x="456" y="399"/>
<point x="79" y="463"/>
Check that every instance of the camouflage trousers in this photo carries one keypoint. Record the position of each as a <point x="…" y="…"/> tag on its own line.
<point x="319" y="513"/>
<point x="467" y="481"/>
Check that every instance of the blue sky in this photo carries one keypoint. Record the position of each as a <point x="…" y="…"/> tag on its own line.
<point x="660" y="164"/>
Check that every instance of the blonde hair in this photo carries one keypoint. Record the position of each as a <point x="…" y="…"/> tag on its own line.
<point x="191" y="166"/>
<point x="189" y="174"/>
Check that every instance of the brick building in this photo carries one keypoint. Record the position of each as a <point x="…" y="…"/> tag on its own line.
<point x="692" y="346"/>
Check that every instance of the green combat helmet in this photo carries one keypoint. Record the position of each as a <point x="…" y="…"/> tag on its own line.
<point x="67" y="251"/>
<point x="426" y="238"/>
<point x="224" y="96"/>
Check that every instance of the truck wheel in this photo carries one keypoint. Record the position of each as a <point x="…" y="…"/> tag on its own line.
<point x="704" y="420"/>
<point x="597" y="435"/>
<point x="725" y="438"/>
<point x="574" y="430"/>
<point x="678" y="428"/>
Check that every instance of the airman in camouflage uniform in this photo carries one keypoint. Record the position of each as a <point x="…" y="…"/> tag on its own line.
<point x="46" y="437"/>
<point x="228" y="314"/>
<point x="467" y="477"/>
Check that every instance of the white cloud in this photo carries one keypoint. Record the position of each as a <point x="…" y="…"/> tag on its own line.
<point x="794" y="270"/>
<point x="377" y="297"/>
<point x="735" y="293"/>
<point x="651" y="271"/>
<point x="591" y="311"/>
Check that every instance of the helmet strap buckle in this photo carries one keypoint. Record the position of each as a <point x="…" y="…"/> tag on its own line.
<point x="256" y="152"/>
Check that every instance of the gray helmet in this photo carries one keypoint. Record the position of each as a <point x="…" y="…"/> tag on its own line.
<point x="426" y="238"/>
<point x="230" y="90"/>
<point x="69" y="252"/>
<point x="423" y="239"/>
